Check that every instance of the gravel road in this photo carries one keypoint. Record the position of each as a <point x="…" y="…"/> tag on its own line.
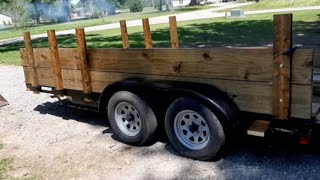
<point x="50" y="140"/>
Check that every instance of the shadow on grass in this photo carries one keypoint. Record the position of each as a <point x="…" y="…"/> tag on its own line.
<point x="218" y="34"/>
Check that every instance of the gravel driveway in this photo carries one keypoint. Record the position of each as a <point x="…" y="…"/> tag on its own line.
<point x="50" y="140"/>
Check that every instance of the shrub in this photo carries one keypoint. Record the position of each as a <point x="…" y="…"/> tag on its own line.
<point x="95" y="14"/>
<point x="135" y="5"/>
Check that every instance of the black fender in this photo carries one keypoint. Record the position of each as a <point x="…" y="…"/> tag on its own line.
<point x="160" y="93"/>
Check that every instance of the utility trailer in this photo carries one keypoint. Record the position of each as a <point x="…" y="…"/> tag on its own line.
<point x="199" y="94"/>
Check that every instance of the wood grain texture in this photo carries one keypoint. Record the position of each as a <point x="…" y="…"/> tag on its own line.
<point x="249" y="96"/>
<point x="235" y="64"/>
<point x="124" y="34"/>
<point x="316" y="60"/>
<point x="147" y="33"/>
<point x="55" y="59"/>
<point x="174" y="32"/>
<point x="83" y="60"/>
<point x="282" y="42"/>
<point x="31" y="59"/>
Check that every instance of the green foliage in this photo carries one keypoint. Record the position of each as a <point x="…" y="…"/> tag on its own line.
<point x="24" y="12"/>
<point x="135" y="5"/>
<point x="95" y="14"/>
<point x="4" y="166"/>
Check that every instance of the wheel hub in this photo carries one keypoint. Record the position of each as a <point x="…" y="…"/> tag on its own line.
<point x="191" y="129"/>
<point x="127" y="119"/>
<point x="130" y="117"/>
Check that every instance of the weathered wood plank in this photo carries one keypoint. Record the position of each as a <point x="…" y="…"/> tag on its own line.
<point x="302" y="66"/>
<point x="316" y="60"/>
<point x="147" y="33"/>
<point x="222" y="64"/>
<point x="69" y="58"/>
<point x="27" y="75"/>
<point x="72" y="79"/>
<point x="24" y="57"/>
<point x="301" y="101"/>
<point x="249" y="96"/>
<point x="282" y="28"/>
<point x="124" y="34"/>
<point x="83" y="60"/>
<point x="174" y="32"/>
<point x="31" y="60"/>
<point x="55" y="60"/>
<point x="239" y="64"/>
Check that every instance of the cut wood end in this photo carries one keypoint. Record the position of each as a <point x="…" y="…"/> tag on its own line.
<point x="258" y="128"/>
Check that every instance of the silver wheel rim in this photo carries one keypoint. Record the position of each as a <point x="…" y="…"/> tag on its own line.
<point x="191" y="129"/>
<point x="127" y="119"/>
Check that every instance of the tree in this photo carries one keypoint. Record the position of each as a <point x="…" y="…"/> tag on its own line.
<point x="65" y="13"/>
<point x="16" y="10"/>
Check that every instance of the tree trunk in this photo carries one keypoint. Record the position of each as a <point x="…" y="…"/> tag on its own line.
<point x="66" y="11"/>
<point x="37" y="14"/>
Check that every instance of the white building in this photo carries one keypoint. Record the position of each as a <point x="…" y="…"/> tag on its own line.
<point x="5" y="20"/>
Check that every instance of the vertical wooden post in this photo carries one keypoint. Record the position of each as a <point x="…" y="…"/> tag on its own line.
<point x="174" y="32"/>
<point x="31" y="61"/>
<point x="55" y="61"/>
<point x="124" y="34"/>
<point x="147" y="33"/>
<point x="282" y="43"/>
<point x="84" y="64"/>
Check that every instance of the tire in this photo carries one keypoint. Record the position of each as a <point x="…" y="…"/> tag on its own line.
<point x="131" y="119"/>
<point x="186" y="118"/>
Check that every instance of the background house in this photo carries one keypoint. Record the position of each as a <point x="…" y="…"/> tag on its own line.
<point x="5" y="20"/>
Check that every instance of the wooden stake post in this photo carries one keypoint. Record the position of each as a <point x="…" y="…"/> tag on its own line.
<point x="147" y="33"/>
<point x="173" y="32"/>
<point x="124" y="34"/>
<point x="282" y="44"/>
<point x="31" y="61"/>
<point x="55" y="60"/>
<point x="84" y="64"/>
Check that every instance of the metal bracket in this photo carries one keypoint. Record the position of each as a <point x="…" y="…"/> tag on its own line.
<point x="290" y="51"/>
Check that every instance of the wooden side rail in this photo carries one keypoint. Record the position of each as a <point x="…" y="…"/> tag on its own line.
<point x="276" y="81"/>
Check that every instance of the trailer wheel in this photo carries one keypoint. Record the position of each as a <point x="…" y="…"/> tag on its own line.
<point x="193" y="129"/>
<point x="131" y="119"/>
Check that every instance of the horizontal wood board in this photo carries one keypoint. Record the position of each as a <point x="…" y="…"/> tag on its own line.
<point x="229" y="64"/>
<point x="245" y="74"/>
<point x="249" y="96"/>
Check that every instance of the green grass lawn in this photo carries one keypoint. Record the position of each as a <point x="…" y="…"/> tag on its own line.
<point x="147" y="13"/>
<point x="255" y="30"/>
<point x="276" y="4"/>
<point x="4" y="166"/>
